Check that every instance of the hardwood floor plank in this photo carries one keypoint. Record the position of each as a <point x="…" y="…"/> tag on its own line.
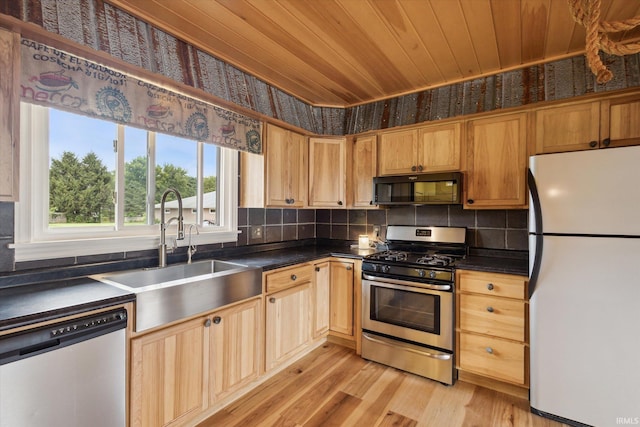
<point x="335" y="412"/>
<point x="332" y="386"/>
<point x="391" y="419"/>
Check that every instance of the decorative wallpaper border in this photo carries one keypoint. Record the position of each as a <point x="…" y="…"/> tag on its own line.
<point x="98" y="25"/>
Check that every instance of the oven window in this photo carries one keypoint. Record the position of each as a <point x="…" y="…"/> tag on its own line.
<point x="413" y="310"/>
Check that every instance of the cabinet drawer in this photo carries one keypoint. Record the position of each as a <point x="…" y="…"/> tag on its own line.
<point x="501" y="285"/>
<point x="500" y="317"/>
<point x="283" y="279"/>
<point x="493" y="357"/>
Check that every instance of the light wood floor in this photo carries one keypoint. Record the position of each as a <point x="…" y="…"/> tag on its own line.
<point x="332" y="386"/>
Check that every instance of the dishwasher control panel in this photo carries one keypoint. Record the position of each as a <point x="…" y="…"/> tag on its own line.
<point x="82" y="324"/>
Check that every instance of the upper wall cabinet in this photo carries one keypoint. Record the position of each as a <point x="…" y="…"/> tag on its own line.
<point x="496" y="163"/>
<point x="363" y="170"/>
<point x="428" y="149"/>
<point x="328" y="172"/>
<point x="286" y="168"/>
<point x="9" y="114"/>
<point x="611" y="122"/>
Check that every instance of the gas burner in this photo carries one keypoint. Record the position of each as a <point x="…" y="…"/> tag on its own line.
<point x="437" y="260"/>
<point x="389" y="256"/>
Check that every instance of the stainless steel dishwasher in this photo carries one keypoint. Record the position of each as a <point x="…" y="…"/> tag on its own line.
<point x="69" y="374"/>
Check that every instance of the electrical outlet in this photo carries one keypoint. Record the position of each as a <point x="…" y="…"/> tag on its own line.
<point x="256" y="232"/>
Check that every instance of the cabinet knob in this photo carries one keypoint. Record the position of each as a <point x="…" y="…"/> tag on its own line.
<point x="339" y="202"/>
<point x="272" y="300"/>
<point x="490" y="309"/>
<point x="294" y="277"/>
<point x="371" y="202"/>
<point x="207" y="323"/>
<point x="490" y="286"/>
<point x="489" y="350"/>
<point x="420" y="168"/>
<point x="413" y="168"/>
<point x="593" y="144"/>
<point x="217" y="320"/>
<point x="317" y="268"/>
<point x="348" y="268"/>
<point x="470" y="201"/>
<point x="606" y="142"/>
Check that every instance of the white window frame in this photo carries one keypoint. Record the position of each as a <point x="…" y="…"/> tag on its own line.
<point x="34" y="240"/>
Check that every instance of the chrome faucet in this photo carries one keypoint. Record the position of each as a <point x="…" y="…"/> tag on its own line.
<point x="162" y="249"/>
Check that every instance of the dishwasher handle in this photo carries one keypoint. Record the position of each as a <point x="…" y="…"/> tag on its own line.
<point x="31" y="342"/>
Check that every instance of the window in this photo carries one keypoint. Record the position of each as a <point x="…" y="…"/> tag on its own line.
<point x="90" y="186"/>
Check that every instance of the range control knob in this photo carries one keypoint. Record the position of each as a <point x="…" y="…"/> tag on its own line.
<point x="422" y="273"/>
<point x="432" y="274"/>
<point x="385" y="268"/>
<point x="375" y="267"/>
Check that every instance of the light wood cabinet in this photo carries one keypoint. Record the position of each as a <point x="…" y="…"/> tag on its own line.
<point x="179" y="371"/>
<point x="610" y="122"/>
<point x="434" y="148"/>
<point x="234" y="347"/>
<point x="492" y="331"/>
<point x="289" y="313"/>
<point x="286" y="168"/>
<point x="328" y="172"/>
<point x="321" y="294"/>
<point x="496" y="162"/>
<point x="342" y="298"/>
<point x="363" y="169"/>
<point x="251" y="180"/>
<point x="9" y="115"/>
<point x="167" y="379"/>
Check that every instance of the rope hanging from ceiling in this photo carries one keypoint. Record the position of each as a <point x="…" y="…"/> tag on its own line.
<point x="587" y="14"/>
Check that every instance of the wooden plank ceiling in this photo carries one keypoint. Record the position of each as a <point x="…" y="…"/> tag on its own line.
<point x="346" y="52"/>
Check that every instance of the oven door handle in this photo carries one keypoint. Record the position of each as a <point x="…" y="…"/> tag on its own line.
<point x="387" y="342"/>
<point x="407" y="283"/>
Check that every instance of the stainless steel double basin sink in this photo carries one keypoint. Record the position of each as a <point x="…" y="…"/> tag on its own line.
<point x="166" y="294"/>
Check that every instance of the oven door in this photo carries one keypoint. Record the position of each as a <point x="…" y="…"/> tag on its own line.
<point x="408" y="311"/>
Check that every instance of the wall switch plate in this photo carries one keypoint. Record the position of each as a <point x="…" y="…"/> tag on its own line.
<point x="256" y="232"/>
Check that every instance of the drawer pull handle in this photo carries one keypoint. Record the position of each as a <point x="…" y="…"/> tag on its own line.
<point x="490" y="286"/>
<point x="294" y="277"/>
<point x="272" y="300"/>
<point x="490" y="309"/>
<point x="489" y="350"/>
<point x="217" y="320"/>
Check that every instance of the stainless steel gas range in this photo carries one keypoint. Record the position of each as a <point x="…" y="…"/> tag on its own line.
<point x="407" y="300"/>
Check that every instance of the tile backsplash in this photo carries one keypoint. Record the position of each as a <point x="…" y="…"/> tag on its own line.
<point x="491" y="229"/>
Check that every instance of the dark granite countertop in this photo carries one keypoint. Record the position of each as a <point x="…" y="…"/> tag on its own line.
<point x="508" y="262"/>
<point x="273" y="259"/>
<point x="29" y="304"/>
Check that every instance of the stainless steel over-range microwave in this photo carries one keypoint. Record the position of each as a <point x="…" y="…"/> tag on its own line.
<point x="421" y="189"/>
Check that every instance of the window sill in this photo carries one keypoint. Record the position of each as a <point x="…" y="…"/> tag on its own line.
<point x="71" y="248"/>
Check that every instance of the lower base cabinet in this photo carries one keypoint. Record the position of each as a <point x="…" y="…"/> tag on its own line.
<point x="288" y="324"/>
<point x="177" y="372"/>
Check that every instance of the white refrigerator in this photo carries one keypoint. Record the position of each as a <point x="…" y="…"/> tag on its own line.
<point x="584" y="246"/>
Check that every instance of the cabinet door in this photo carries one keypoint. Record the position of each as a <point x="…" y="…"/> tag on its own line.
<point x="9" y="114"/>
<point x="363" y="170"/>
<point x="497" y="162"/>
<point x="286" y="168"/>
<point x="341" y="297"/>
<point x="568" y="128"/>
<point x="439" y="148"/>
<point x="620" y="121"/>
<point x="398" y="152"/>
<point x="288" y="323"/>
<point x="234" y="348"/>
<point x="327" y="172"/>
<point x="168" y="375"/>
<point x="321" y="284"/>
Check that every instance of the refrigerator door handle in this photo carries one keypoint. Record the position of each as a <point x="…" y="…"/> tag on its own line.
<point x="537" y="232"/>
